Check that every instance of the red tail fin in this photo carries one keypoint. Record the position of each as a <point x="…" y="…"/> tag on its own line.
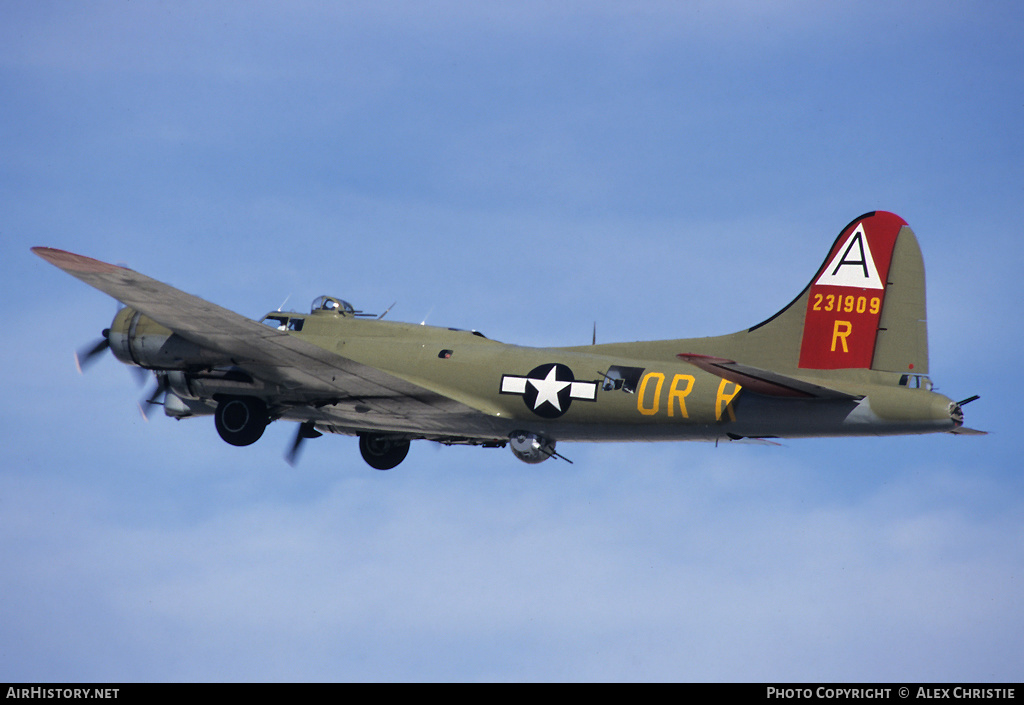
<point x="845" y="300"/>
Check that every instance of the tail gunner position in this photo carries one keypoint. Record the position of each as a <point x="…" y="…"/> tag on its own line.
<point x="848" y="357"/>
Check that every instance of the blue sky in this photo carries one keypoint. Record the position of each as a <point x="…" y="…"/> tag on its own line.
<point x="525" y="169"/>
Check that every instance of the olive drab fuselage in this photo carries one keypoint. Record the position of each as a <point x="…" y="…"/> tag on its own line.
<point x="848" y="357"/>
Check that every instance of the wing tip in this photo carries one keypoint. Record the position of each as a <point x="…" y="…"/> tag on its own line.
<point x="70" y="262"/>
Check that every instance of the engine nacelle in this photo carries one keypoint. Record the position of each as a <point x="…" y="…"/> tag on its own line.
<point x="208" y="384"/>
<point x="195" y="393"/>
<point x="136" y="339"/>
<point x="531" y="448"/>
<point x="178" y="408"/>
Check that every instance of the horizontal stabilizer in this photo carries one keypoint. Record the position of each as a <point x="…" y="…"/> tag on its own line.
<point x="761" y="381"/>
<point x="964" y="431"/>
<point x="755" y="440"/>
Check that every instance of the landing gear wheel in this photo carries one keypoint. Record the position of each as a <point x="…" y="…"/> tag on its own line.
<point x="241" y="420"/>
<point x="382" y="452"/>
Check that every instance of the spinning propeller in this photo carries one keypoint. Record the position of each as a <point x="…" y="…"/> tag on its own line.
<point x="86" y="356"/>
<point x="306" y="430"/>
<point x="162" y="386"/>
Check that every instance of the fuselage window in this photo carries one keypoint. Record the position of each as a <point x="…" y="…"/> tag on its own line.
<point x="916" y="382"/>
<point x="624" y="378"/>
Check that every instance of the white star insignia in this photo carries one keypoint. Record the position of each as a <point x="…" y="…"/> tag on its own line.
<point x="548" y="389"/>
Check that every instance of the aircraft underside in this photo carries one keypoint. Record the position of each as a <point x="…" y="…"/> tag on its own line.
<point x="240" y="420"/>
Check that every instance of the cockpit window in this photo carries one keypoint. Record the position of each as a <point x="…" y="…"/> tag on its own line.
<point x="284" y="322"/>
<point x="279" y="322"/>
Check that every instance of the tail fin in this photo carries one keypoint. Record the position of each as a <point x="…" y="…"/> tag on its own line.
<point x="864" y="309"/>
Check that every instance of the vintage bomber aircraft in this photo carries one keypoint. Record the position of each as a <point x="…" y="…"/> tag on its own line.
<point x="848" y="357"/>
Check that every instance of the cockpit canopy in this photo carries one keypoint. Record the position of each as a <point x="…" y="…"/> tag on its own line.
<point x="332" y="305"/>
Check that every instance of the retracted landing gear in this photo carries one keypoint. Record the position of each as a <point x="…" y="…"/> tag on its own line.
<point x="382" y="452"/>
<point x="241" y="420"/>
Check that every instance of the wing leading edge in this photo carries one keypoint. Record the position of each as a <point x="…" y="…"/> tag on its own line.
<point x="272" y="355"/>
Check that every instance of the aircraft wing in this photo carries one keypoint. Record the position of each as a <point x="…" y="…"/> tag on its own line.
<point x="761" y="381"/>
<point x="309" y="373"/>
